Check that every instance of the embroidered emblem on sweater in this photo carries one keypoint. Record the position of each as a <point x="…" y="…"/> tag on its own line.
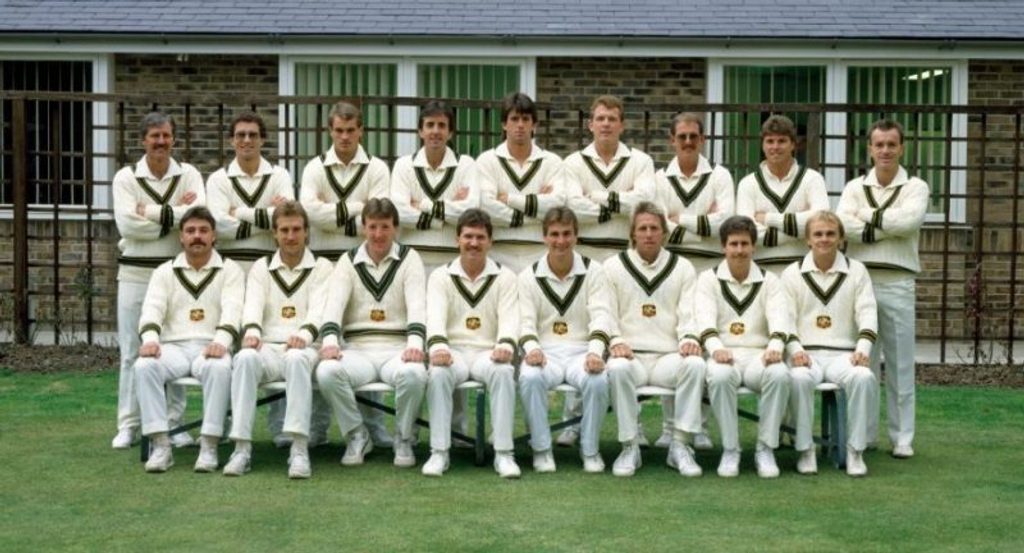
<point x="560" y="327"/>
<point x="377" y="315"/>
<point x="472" y="323"/>
<point x="196" y="315"/>
<point x="823" y="321"/>
<point x="649" y="310"/>
<point x="288" y="312"/>
<point x="737" y="328"/>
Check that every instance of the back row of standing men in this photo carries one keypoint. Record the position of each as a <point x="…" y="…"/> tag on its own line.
<point x="517" y="183"/>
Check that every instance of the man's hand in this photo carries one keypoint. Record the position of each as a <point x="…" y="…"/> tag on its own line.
<point x="215" y="350"/>
<point x="503" y="197"/>
<point x="278" y="200"/>
<point x="687" y="349"/>
<point x="801" y="359"/>
<point x="461" y="193"/>
<point x="759" y="216"/>
<point x="251" y="342"/>
<point x="330" y="352"/>
<point x="535" y="358"/>
<point x="713" y="208"/>
<point x="674" y="218"/>
<point x="593" y="364"/>
<point x="412" y="355"/>
<point x="295" y="342"/>
<point x="621" y="350"/>
<point x="231" y="211"/>
<point x="859" y="359"/>
<point x="723" y="356"/>
<point x="149" y="349"/>
<point x="441" y="358"/>
<point x="546" y="188"/>
<point x="140" y="209"/>
<point x="187" y="198"/>
<point x="501" y="355"/>
<point x="771" y="356"/>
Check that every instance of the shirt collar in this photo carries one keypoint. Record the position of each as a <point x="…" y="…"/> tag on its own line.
<point x="535" y="152"/>
<point x="142" y="170"/>
<point x="703" y="166"/>
<point x="789" y="176"/>
<point x="659" y="261"/>
<point x="900" y="179"/>
<point x="235" y="170"/>
<point x="363" y="257"/>
<point x="308" y="261"/>
<point x="450" y="159"/>
<point x="331" y="157"/>
<point x="215" y="262"/>
<point x="578" y="268"/>
<point x="490" y="268"/>
<point x="839" y="266"/>
<point x="591" y="152"/>
<point x="723" y="273"/>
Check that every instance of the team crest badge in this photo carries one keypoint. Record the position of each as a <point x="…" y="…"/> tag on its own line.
<point x="824" y="321"/>
<point x="377" y="315"/>
<point x="473" y="323"/>
<point x="737" y="328"/>
<point x="560" y="328"/>
<point x="649" y="310"/>
<point x="196" y="315"/>
<point x="288" y="312"/>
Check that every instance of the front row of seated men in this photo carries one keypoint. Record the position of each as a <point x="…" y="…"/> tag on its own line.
<point x="643" y="317"/>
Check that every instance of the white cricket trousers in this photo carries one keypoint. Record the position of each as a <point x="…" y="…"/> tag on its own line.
<point x="897" y="333"/>
<point x="685" y="375"/>
<point x="859" y="385"/>
<point x="497" y="378"/>
<point x="772" y="383"/>
<point x="534" y="383"/>
<point x="177" y="360"/>
<point x="272" y="363"/>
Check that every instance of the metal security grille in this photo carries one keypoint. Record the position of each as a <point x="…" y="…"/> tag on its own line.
<point x="51" y="126"/>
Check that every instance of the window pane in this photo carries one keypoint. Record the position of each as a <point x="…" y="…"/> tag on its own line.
<point x="925" y="145"/>
<point x="477" y="130"/>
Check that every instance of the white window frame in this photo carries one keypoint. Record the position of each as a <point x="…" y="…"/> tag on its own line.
<point x="407" y="142"/>
<point x="836" y="72"/>
<point x="102" y="138"/>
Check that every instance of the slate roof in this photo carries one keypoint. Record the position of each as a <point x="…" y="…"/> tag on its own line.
<point x="740" y="19"/>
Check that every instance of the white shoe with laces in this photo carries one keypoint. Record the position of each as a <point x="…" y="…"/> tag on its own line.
<point x="680" y="457"/>
<point x="160" y="459"/>
<point x="729" y="466"/>
<point x="359" y="444"/>
<point x="125" y="438"/>
<point x="543" y="461"/>
<point x="628" y="461"/>
<point x="238" y="464"/>
<point x="764" y="460"/>
<point x="505" y="465"/>
<point x="808" y="462"/>
<point x="436" y="465"/>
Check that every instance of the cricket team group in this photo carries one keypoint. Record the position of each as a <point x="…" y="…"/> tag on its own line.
<point x="522" y="271"/>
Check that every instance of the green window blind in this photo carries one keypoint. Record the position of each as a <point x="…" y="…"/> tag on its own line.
<point x="476" y="131"/>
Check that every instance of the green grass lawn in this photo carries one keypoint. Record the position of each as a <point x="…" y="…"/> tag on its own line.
<point x="63" y="489"/>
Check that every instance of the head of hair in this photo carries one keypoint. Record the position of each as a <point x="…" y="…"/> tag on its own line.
<point x="249" y="117"/>
<point x="474" y="217"/>
<point x="345" y="111"/>
<point x="434" y="108"/>
<point x="197" y="212"/>
<point x="380" y="208"/>
<point x="291" y="208"/>
<point x="519" y="103"/>
<point x="687" y="117"/>
<point x="609" y="102"/>
<point x="738" y="224"/>
<point x="885" y="125"/>
<point x="779" y="124"/>
<point x="647" y="208"/>
<point x="560" y="215"/>
<point x="825" y="217"/>
<point x="155" y="119"/>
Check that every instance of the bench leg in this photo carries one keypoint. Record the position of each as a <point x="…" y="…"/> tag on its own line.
<point x="840" y="429"/>
<point x="144" y="449"/>
<point x="480" y="443"/>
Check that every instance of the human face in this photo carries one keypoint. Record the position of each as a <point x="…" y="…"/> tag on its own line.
<point x="885" y="149"/>
<point x="778" y="149"/>
<point x="606" y="125"/>
<point x="560" y="239"/>
<point x="738" y="250"/>
<point x="435" y="132"/>
<point x="474" y="243"/>
<point x="247" y="141"/>
<point x="197" y="238"/>
<point x="519" y="128"/>
<point x="647" y="235"/>
<point x="346" y="134"/>
<point x="290" y="235"/>
<point x="687" y="141"/>
<point x="380" y="235"/>
<point x="159" y="142"/>
<point x="823" y="239"/>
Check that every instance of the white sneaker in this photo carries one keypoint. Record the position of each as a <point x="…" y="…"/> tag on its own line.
<point x="238" y="464"/>
<point x="855" y="463"/>
<point x="298" y="467"/>
<point x="593" y="464"/>
<point x="680" y="457"/>
<point x="505" y="465"/>
<point x="764" y="460"/>
<point x="729" y="466"/>
<point x="404" y="456"/>
<point x="182" y="439"/>
<point x="543" y="461"/>
<point x="359" y="444"/>
<point x="702" y="441"/>
<point x="808" y="462"/>
<point x="568" y="437"/>
<point x="902" y="451"/>
<point x="665" y="440"/>
<point x="641" y="438"/>
<point x="628" y="461"/>
<point x="436" y="465"/>
<point x="207" y="460"/>
<point x="125" y="438"/>
<point x="160" y="459"/>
